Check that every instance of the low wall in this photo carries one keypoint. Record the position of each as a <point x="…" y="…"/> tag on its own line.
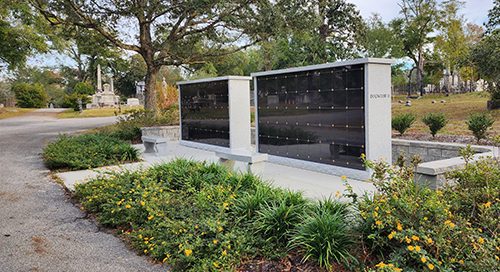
<point x="429" y="151"/>
<point x="438" y="159"/>
<point x="171" y="133"/>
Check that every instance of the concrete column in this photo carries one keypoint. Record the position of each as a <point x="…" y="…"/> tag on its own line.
<point x="378" y="110"/>
<point x="99" y="82"/>
<point x="239" y="112"/>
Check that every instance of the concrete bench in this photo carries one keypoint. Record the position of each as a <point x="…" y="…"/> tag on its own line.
<point x="254" y="161"/>
<point x="157" y="145"/>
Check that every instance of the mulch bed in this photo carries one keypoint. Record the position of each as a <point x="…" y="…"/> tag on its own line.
<point x="462" y="139"/>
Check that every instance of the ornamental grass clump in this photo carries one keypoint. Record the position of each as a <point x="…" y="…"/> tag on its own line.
<point x="325" y="234"/>
<point x="87" y="151"/>
<point x="403" y="122"/>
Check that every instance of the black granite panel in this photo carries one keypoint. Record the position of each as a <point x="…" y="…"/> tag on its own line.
<point x="205" y="112"/>
<point x="316" y="115"/>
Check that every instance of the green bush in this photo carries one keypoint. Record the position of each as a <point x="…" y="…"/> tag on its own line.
<point x="87" y="151"/>
<point x="71" y="101"/>
<point x="479" y="123"/>
<point x="83" y="88"/>
<point x="325" y="234"/>
<point x="402" y="122"/>
<point x="435" y="122"/>
<point x="128" y="127"/>
<point x="411" y="227"/>
<point x="30" y="95"/>
<point x="200" y="217"/>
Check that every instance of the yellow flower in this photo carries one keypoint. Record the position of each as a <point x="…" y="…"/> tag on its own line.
<point x="480" y="240"/>
<point x="487" y="204"/>
<point x="449" y="223"/>
<point x="411" y="248"/>
<point x="423" y="259"/>
<point x="151" y="217"/>
<point x="407" y="240"/>
<point x="225" y="205"/>
<point x="337" y="194"/>
<point x="375" y="214"/>
<point x="430" y="266"/>
<point x="417" y="248"/>
<point x="429" y="241"/>
<point x="188" y="252"/>
<point x="343" y="177"/>
<point x="378" y="222"/>
<point x="415" y="238"/>
<point x="145" y="251"/>
<point x="216" y="264"/>
<point x="391" y="235"/>
<point x="399" y="227"/>
<point x="215" y="241"/>
<point x="380" y="265"/>
<point x="128" y="206"/>
<point x="143" y="203"/>
<point x="461" y="261"/>
<point x="224" y="252"/>
<point x="220" y="228"/>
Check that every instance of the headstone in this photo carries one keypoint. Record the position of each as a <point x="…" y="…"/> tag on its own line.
<point x="443" y="101"/>
<point x="400" y="102"/>
<point x="80" y="107"/>
<point x="133" y="102"/>
<point x="408" y="103"/>
<point x="433" y="101"/>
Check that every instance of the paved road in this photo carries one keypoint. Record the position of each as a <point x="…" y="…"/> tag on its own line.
<point x="40" y="229"/>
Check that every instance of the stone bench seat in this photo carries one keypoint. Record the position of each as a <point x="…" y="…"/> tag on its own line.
<point x="254" y="161"/>
<point x="157" y="145"/>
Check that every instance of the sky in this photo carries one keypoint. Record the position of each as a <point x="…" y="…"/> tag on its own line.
<point x="475" y="11"/>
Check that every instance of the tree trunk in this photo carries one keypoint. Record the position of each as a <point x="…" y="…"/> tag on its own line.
<point x="150" y="90"/>
<point x="420" y="73"/>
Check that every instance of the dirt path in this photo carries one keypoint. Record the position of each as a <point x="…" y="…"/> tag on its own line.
<point x="40" y="229"/>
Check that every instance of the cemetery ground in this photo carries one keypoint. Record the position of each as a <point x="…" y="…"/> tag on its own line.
<point x="40" y="228"/>
<point x="9" y="112"/>
<point x="98" y="112"/>
<point x="456" y="107"/>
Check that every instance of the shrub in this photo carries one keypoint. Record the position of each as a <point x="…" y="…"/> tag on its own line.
<point x="83" y="88"/>
<point x="435" y="122"/>
<point x="414" y="228"/>
<point x="325" y="234"/>
<point x="479" y="123"/>
<point x="402" y="122"/>
<point x="30" y="95"/>
<point x="71" y="101"/>
<point x="128" y="127"/>
<point x="87" y="151"/>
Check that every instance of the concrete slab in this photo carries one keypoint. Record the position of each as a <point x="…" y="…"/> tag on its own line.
<point x="313" y="184"/>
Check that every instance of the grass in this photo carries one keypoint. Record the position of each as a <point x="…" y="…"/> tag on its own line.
<point x="13" y="112"/>
<point x="457" y="109"/>
<point x="100" y="112"/>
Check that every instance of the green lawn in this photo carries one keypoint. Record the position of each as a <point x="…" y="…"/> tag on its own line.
<point x="13" y="112"/>
<point x="100" y="112"/>
<point x="457" y="109"/>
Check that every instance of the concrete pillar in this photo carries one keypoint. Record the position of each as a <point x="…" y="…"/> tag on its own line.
<point x="378" y="110"/>
<point x="239" y="112"/>
<point x="99" y="82"/>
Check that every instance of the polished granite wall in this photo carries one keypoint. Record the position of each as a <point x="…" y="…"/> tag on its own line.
<point x="315" y="115"/>
<point x="205" y="112"/>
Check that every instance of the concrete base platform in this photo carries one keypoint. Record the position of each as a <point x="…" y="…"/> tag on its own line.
<point x="313" y="184"/>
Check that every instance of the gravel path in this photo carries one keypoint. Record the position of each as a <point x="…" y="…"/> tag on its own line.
<point x="40" y="229"/>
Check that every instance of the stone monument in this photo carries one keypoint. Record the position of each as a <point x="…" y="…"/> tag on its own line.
<point x="105" y="94"/>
